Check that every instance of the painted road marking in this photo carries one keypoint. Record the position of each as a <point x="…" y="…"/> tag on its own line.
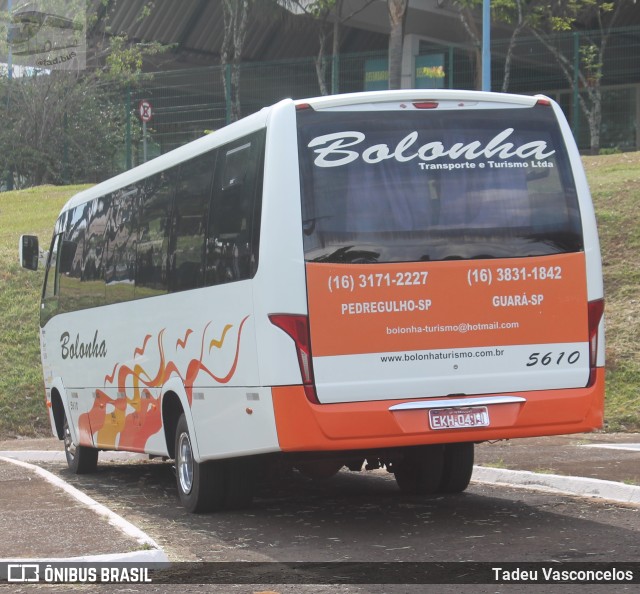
<point x="631" y="447"/>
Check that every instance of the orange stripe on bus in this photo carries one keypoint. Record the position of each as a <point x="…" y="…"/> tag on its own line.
<point x="303" y="426"/>
<point x="353" y="310"/>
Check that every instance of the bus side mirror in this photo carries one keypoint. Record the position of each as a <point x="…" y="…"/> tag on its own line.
<point x="29" y="252"/>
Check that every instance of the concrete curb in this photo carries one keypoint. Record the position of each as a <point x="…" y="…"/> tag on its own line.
<point x="627" y="447"/>
<point x="153" y="554"/>
<point x="60" y="456"/>
<point x="570" y="485"/>
<point x="138" y="557"/>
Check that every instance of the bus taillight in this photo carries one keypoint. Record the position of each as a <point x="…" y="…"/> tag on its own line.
<point x="596" y="311"/>
<point x="297" y="327"/>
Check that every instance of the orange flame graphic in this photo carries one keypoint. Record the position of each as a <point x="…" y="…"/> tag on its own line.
<point x="183" y="343"/>
<point x="130" y="419"/>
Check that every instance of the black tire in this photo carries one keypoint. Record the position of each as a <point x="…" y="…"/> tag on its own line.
<point x="458" y="467"/>
<point x="420" y="470"/>
<point x="201" y="486"/>
<point x="80" y="459"/>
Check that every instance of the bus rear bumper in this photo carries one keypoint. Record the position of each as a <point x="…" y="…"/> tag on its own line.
<point x="305" y="427"/>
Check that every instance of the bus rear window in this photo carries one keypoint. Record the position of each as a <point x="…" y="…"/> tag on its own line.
<point x="435" y="185"/>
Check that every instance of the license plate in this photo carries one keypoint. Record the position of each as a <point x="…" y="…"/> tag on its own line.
<point x="459" y="418"/>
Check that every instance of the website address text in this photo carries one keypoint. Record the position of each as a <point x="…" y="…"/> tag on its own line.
<point x="441" y="355"/>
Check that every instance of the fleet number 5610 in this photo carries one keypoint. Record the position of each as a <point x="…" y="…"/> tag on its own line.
<point x="552" y="358"/>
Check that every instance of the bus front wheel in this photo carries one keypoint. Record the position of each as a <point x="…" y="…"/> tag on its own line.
<point x="201" y="485"/>
<point x="80" y="459"/>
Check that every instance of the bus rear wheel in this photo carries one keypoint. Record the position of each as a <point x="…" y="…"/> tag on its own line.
<point x="201" y="486"/>
<point x="458" y="467"/>
<point x="80" y="459"/>
<point x="419" y="472"/>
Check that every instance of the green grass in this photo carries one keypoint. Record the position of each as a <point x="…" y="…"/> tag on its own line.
<point x="496" y="464"/>
<point x="615" y="186"/>
<point x="33" y="211"/>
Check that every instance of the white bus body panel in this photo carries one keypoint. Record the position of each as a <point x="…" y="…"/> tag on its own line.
<point x="144" y="344"/>
<point x="134" y="351"/>
<point x="595" y="284"/>
<point x="280" y="284"/>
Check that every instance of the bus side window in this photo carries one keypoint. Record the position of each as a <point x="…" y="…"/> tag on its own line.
<point x="120" y="246"/>
<point x="154" y="232"/>
<point x="93" y="288"/>
<point x="189" y="221"/>
<point x="234" y="219"/>
<point x="51" y="283"/>
<point x="72" y="255"/>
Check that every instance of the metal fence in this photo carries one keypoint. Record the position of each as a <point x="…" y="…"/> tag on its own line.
<point x="187" y="103"/>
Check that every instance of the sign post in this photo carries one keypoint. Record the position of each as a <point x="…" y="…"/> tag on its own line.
<point x="486" y="45"/>
<point x="145" y="111"/>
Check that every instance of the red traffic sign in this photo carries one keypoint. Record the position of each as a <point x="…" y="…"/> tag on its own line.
<point x="145" y="111"/>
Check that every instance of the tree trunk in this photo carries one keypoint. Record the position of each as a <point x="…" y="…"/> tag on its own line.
<point x="335" y="50"/>
<point x="321" y="64"/>
<point x="235" y="31"/>
<point x="595" y="120"/>
<point x="508" y="58"/>
<point x="236" y="108"/>
<point x="475" y="55"/>
<point x="512" y="43"/>
<point x="397" y="18"/>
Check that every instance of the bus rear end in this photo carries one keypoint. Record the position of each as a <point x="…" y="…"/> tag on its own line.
<point x="454" y="285"/>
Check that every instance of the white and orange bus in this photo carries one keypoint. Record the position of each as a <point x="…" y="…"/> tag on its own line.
<point x="387" y="277"/>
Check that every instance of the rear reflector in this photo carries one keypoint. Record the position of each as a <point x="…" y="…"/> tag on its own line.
<point x="596" y="311"/>
<point x="297" y="327"/>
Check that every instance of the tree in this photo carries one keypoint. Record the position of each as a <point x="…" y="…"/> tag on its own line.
<point x="236" y="17"/>
<point x="516" y="13"/>
<point x="466" y="13"/>
<point x="546" y="21"/>
<point x="397" y="19"/>
<point x="549" y="19"/>
<point x="329" y="16"/>
<point x="322" y="11"/>
<point x="63" y="126"/>
<point x="58" y="127"/>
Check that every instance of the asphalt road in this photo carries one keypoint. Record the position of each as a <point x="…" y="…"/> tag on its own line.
<point x="362" y="517"/>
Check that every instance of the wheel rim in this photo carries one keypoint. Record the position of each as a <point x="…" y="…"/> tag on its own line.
<point x="69" y="446"/>
<point x="185" y="463"/>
